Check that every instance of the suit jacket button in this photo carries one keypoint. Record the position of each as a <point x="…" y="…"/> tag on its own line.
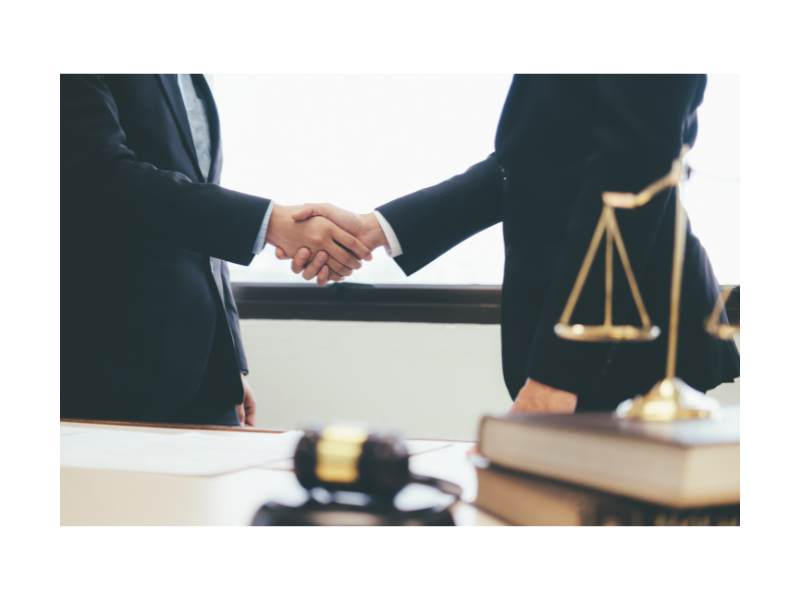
<point x="504" y="173"/>
<point x="508" y="249"/>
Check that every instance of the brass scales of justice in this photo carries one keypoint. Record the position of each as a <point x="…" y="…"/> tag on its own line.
<point x="670" y="399"/>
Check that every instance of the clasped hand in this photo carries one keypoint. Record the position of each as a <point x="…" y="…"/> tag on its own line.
<point x="338" y="252"/>
<point x="363" y="233"/>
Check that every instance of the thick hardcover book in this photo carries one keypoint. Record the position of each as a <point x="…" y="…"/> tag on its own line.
<point x="681" y="464"/>
<point x="524" y="499"/>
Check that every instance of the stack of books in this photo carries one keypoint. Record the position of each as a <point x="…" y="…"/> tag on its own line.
<point x="596" y="469"/>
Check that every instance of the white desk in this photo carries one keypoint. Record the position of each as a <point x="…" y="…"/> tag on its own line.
<point x="105" y="497"/>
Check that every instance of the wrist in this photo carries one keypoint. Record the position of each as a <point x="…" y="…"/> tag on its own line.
<point x="372" y="235"/>
<point x="281" y="215"/>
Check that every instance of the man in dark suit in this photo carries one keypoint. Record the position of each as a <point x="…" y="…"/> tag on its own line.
<point x="561" y="142"/>
<point x="149" y="327"/>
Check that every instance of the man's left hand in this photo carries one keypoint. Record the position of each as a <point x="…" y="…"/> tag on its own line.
<point x="535" y="397"/>
<point x="247" y="409"/>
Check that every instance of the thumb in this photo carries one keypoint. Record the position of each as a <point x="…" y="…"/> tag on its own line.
<point x="311" y="210"/>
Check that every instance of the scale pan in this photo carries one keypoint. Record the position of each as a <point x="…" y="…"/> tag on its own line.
<point x="606" y="333"/>
<point x="723" y="331"/>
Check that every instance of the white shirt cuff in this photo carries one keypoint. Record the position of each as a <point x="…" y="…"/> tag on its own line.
<point x="393" y="248"/>
<point x="261" y="238"/>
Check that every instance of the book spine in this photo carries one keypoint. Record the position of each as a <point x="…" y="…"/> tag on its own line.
<point x="610" y="513"/>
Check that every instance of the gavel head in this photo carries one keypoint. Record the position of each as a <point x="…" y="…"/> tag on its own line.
<point x="350" y="458"/>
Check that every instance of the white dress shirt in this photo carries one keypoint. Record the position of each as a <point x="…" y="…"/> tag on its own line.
<point x="393" y="248"/>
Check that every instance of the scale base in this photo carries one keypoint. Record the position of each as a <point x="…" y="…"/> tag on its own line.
<point x="670" y="400"/>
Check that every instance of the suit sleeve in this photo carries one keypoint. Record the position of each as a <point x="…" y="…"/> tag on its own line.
<point x="102" y="181"/>
<point x="431" y="221"/>
<point x="639" y="128"/>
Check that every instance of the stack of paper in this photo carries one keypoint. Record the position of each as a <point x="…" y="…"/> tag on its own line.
<point x="191" y="453"/>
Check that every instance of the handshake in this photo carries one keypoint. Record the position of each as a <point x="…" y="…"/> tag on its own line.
<point x="323" y="241"/>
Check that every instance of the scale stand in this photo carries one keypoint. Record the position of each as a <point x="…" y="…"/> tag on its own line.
<point x="670" y="399"/>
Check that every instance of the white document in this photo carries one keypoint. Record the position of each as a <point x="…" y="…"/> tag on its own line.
<point x="190" y="453"/>
<point x="67" y="430"/>
<point x="422" y="446"/>
<point x="414" y="447"/>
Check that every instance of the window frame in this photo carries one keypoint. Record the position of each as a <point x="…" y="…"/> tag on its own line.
<point x="475" y="304"/>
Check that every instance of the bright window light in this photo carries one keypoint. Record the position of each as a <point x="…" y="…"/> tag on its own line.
<point x="359" y="141"/>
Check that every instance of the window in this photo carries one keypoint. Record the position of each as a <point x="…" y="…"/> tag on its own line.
<point x="711" y="196"/>
<point x="359" y="141"/>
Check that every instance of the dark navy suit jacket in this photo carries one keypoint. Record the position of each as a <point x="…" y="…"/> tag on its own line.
<point x="560" y="143"/>
<point x="144" y="240"/>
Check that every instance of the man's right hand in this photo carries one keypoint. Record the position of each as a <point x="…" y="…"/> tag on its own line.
<point x="343" y="252"/>
<point x="365" y="227"/>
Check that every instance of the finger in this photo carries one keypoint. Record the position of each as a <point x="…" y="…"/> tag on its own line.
<point x="280" y="254"/>
<point x="304" y="213"/>
<point x="338" y="268"/>
<point x="335" y="277"/>
<point x="300" y="259"/>
<point x="352" y="244"/>
<point x="314" y="267"/>
<point x="324" y="274"/>
<point x="343" y="256"/>
<point x="240" y="413"/>
<point x="250" y="412"/>
<point x="312" y="210"/>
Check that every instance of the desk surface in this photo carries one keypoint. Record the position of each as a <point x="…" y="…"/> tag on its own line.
<point x="107" y="497"/>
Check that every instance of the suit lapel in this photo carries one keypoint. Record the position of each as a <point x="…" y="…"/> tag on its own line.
<point x="169" y="85"/>
<point x="213" y="128"/>
<point x="217" y="274"/>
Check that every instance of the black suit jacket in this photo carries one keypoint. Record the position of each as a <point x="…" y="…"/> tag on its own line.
<point x="560" y="143"/>
<point x="144" y="240"/>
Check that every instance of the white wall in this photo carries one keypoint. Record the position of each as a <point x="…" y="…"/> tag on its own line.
<point x="427" y="380"/>
<point x="422" y="379"/>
